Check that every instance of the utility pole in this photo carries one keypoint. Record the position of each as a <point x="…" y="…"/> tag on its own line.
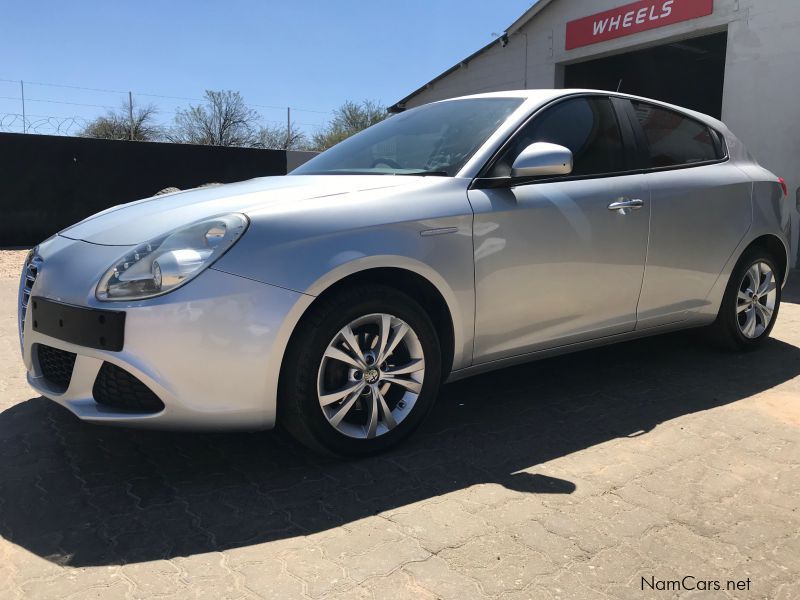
<point x="22" y="93"/>
<point x="288" y="126"/>
<point x="130" y="111"/>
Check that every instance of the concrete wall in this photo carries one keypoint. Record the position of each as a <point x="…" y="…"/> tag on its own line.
<point x="50" y="182"/>
<point x="762" y="78"/>
<point x="761" y="103"/>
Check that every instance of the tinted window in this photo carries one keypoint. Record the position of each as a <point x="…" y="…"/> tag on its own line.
<point x="438" y="137"/>
<point x="587" y="126"/>
<point x="675" y="139"/>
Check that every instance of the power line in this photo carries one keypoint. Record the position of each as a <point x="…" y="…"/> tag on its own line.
<point x="166" y="97"/>
<point x="57" y="102"/>
<point x="27" y="122"/>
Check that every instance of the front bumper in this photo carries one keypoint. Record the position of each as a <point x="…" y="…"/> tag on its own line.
<point x="210" y="350"/>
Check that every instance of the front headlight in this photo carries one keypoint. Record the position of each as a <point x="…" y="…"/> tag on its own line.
<point x="167" y="262"/>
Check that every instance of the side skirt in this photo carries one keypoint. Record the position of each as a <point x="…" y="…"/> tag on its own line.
<point x="577" y="347"/>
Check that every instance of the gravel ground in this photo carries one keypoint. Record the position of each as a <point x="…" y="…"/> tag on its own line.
<point x="11" y="262"/>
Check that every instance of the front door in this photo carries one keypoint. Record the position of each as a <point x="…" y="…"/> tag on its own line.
<point x="555" y="263"/>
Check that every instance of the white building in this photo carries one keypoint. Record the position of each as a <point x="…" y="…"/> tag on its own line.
<point x="734" y="59"/>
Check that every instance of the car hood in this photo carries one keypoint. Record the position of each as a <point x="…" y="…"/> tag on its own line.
<point x="137" y="222"/>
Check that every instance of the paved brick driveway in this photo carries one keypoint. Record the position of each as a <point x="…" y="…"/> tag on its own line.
<point x="570" y="478"/>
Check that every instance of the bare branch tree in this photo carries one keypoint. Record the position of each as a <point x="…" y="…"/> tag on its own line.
<point x="223" y="120"/>
<point x="348" y="119"/>
<point x="117" y="125"/>
<point x="279" y="138"/>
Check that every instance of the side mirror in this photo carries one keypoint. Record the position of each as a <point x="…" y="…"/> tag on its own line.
<point x="541" y="159"/>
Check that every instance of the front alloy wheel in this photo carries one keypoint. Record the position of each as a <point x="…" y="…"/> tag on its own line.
<point x="361" y="372"/>
<point x="371" y="376"/>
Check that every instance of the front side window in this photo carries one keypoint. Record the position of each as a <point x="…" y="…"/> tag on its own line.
<point x="587" y="126"/>
<point x="675" y="139"/>
<point x="436" y="138"/>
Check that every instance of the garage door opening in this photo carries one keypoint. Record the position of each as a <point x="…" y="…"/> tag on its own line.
<point x="690" y="73"/>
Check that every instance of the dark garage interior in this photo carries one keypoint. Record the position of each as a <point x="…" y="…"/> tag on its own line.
<point x="688" y="73"/>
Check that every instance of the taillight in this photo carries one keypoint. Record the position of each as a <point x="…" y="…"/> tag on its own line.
<point x="784" y="187"/>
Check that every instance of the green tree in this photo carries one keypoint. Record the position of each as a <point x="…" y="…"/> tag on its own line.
<point x="348" y="119"/>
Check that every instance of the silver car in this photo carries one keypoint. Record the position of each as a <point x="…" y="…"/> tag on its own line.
<point x="452" y="239"/>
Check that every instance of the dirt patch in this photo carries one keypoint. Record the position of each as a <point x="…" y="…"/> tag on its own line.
<point x="11" y="263"/>
<point x="783" y="405"/>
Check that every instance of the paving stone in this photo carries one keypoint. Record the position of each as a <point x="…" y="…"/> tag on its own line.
<point x="201" y="570"/>
<point x="151" y="578"/>
<point x="528" y="484"/>
<point x="114" y="590"/>
<point x="268" y="580"/>
<point x="396" y="586"/>
<point x="436" y="576"/>
<point x="498" y="562"/>
<point x="319" y="574"/>
<point x="360" y="537"/>
<point x="788" y="591"/>
<point x="443" y="524"/>
<point x="515" y="512"/>
<point x="556" y="547"/>
<point x="384" y="559"/>
<point x="73" y="582"/>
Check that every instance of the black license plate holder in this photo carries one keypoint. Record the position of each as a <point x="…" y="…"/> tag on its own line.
<point x="90" y="327"/>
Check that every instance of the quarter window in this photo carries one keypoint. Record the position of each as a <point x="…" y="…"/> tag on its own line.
<point x="587" y="126"/>
<point x="675" y="139"/>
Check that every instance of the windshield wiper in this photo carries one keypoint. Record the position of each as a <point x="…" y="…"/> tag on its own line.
<point x="426" y="174"/>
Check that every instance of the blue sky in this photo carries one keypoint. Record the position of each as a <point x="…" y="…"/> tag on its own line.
<point x="306" y="54"/>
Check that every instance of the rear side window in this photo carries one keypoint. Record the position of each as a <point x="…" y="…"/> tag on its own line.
<point x="587" y="126"/>
<point x="675" y="139"/>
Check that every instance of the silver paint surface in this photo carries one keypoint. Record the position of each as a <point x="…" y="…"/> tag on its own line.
<point x="526" y="271"/>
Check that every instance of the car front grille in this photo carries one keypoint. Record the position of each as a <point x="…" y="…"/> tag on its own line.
<point x="29" y="273"/>
<point x="116" y="388"/>
<point x="56" y="366"/>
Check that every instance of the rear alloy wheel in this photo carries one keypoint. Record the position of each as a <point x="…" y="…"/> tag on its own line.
<point x="756" y="300"/>
<point x="361" y="373"/>
<point x="751" y="303"/>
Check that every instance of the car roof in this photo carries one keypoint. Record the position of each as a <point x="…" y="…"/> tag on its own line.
<point x="534" y="99"/>
<point x="542" y="96"/>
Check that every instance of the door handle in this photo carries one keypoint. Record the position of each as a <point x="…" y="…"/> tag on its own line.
<point x="625" y="206"/>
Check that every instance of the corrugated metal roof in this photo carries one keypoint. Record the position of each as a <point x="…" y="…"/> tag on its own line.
<point x="511" y="30"/>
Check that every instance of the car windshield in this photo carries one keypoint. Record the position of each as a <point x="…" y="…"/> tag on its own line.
<point x="435" y="139"/>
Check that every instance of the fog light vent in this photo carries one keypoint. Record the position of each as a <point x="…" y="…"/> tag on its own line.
<point x="118" y="389"/>
<point x="56" y="366"/>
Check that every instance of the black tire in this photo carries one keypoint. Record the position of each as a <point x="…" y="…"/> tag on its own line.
<point x="299" y="410"/>
<point x="726" y="332"/>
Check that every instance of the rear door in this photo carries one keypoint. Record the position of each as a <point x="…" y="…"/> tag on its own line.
<point x="700" y="211"/>
<point x="555" y="264"/>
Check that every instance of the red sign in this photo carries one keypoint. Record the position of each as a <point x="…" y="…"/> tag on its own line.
<point x="633" y="18"/>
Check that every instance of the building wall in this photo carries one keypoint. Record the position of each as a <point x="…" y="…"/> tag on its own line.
<point x="762" y="73"/>
<point x="761" y="103"/>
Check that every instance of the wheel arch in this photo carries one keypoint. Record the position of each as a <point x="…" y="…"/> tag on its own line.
<point x="437" y="300"/>
<point x="776" y="247"/>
